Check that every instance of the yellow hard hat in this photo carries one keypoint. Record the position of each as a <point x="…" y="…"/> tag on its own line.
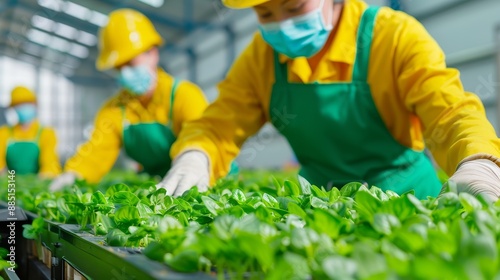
<point x="21" y="95"/>
<point x="242" y="4"/>
<point x="127" y="34"/>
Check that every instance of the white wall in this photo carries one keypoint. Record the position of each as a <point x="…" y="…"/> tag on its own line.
<point x="466" y="32"/>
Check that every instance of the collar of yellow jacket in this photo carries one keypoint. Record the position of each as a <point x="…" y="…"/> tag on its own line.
<point x="31" y="131"/>
<point x="343" y="46"/>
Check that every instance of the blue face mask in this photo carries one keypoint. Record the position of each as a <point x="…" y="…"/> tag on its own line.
<point x="25" y="113"/>
<point x="302" y="35"/>
<point x="136" y="79"/>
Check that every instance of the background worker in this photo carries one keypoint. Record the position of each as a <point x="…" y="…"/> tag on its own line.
<point x="146" y="115"/>
<point x="357" y="91"/>
<point x="28" y="147"/>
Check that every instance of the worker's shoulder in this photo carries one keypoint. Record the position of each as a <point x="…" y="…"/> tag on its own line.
<point x="4" y="129"/>
<point x="187" y="86"/>
<point x="391" y="22"/>
<point x="259" y="49"/>
<point x="47" y="131"/>
<point x="116" y="102"/>
<point x="256" y="57"/>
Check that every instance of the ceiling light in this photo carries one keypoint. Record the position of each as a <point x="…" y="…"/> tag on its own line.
<point x="86" y="38"/>
<point x="42" y="23"/>
<point x="98" y="19"/>
<point x="78" y="51"/>
<point x="37" y="36"/>
<point x="59" y="44"/>
<point x="154" y="3"/>
<point x="51" y="4"/>
<point x="76" y="10"/>
<point x="32" y="49"/>
<point x="65" y="30"/>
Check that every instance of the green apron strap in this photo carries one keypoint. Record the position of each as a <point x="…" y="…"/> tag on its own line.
<point x="363" y="44"/>
<point x="37" y="138"/>
<point x="172" y="96"/>
<point x="280" y="70"/>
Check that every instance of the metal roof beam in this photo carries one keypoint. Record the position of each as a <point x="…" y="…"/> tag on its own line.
<point x="185" y="25"/>
<point x="60" y="17"/>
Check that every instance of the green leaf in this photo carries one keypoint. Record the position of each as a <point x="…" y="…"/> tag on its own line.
<point x="3" y="253"/>
<point x="304" y="185"/>
<point x="317" y="192"/>
<point x="183" y="219"/>
<point x="397" y="259"/>
<point x="379" y="193"/>
<point x="469" y="202"/>
<point x="279" y="188"/>
<point x="236" y="211"/>
<point x="291" y="189"/>
<point x="144" y="210"/>
<point x="239" y="196"/>
<point x="98" y="198"/>
<point x="211" y="205"/>
<point x="101" y="229"/>
<point x="400" y="207"/>
<point x="169" y="227"/>
<point x="160" y="196"/>
<point x="350" y="189"/>
<point x="127" y="216"/>
<point x="339" y="268"/>
<point x="318" y="203"/>
<point x="326" y="222"/>
<point x="270" y="201"/>
<point x="191" y="194"/>
<point x="117" y="188"/>
<point x="124" y="198"/>
<point x="290" y="266"/>
<point x="334" y="195"/>
<point x="264" y="214"/>
<point x="293" y="208"/>
<point x="38" y="223"/>
<point x="304" y="238"/>
<point x="385" y="223"/>
<point x="116" y="238"/>
<point x="224" y="226"/>
<point x="155" y="251"/>
<point x="367" y="204"/>
<point x="29" y="232"/>
<point x="370" y="264"/>
<point x="185" y="261"/>
<point x="418" y="204"/>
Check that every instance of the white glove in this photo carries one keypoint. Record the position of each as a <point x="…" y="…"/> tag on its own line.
<point x="65" y="179"/>
<point x="479" y="177"/>
<point x="188" y="169"/>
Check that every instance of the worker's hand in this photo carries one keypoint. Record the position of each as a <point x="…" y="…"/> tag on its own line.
<point x="188" y="169"/>
<point x="65" y="179"/>
<point x="479" y="177"/>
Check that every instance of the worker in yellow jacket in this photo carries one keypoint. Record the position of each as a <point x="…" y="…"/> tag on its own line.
<point x="28" y="147"/>
<point x="146" y="115"/>
<point x="358" y="92"/>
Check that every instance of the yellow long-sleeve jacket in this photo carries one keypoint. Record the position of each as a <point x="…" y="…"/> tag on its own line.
<point x="48" y="159"/>
<point x="420" y="100"/>
<point x="97" y="156"/>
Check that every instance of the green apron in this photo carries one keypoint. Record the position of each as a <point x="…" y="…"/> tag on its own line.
<point x="149" y="143"/>
<point x="338" y="135"/>
<point x="23" y="156"/>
